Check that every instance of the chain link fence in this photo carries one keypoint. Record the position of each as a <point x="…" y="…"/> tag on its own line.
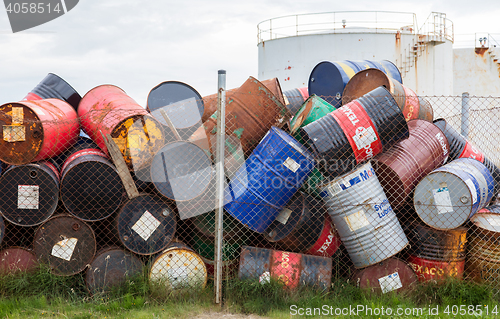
<point x="375" y="187"/>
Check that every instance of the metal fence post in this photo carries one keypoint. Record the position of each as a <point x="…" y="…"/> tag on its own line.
<point x="464" y="128"/>
<point x="219" y="162"/>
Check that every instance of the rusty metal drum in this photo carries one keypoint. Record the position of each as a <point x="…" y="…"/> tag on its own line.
<point x="448" y="196"/>
<point x="36" y="130"/>
<point x="17" y="259"/>
<point x="66" y="244"/>
<point x="356" y="132"/>
<point x="54" y="87"/>
<point x="30" y="193"/>
<point x="178" y="267"/>
<point x="110" y="268"/>
<point x="291" y="269"/>
<point x="146" y="224"/>
<point x="182" y="104"/>
<point x="391" y="275"/>
<point x="412" y="106"/>
<point x="400" y="168"/>
<point x="363" y="217"/>
<point x="483" y="259"/>
<point x="107" y="109"/>
<point x="91" y="188"/>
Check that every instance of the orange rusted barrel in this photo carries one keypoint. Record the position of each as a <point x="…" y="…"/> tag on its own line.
<point x="483" y="258"/>
<point x="210" y="101"/>
<point x="413" y="106"/>
<point x="36" y="130"/>
<point x="107" y="109"/>
<point x="251" y="111"/>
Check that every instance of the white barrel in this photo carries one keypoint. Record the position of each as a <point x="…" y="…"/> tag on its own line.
<point x="364" y="219"/>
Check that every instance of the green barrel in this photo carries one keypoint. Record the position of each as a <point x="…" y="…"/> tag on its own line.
<point x="231" y="227"/>
<point x="313" y="109"/>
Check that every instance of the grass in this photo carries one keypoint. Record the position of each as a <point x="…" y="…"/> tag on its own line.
<point x="43" y="295"/>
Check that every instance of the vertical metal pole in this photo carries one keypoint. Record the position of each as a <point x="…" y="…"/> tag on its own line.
<point x="464" y="128"/>
<point x="219" y="162"/>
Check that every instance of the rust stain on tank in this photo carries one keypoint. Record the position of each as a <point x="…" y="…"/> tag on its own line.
<point x="480" y="51"/>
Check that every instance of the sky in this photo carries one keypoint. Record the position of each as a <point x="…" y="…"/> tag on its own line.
<point x="138" y="44"/>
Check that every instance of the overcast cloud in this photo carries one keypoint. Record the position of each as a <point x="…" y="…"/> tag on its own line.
<point x="139" y="44"/>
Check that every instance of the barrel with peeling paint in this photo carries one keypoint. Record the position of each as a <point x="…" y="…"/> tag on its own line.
<point x="389" y="275"/>
<point x="483" y="260"/>
<point x="291" y="269"/>
<point x="363" y="217"/>
<point x="300" y="225"/>
<point x="182" y="104"/>
<point x="91" y="188"/>
<point x="270" y="177"/>
<point x="328" y="79"/>
<point x="412" y="106"/>
<point x="437" y="254"/>
<point x="250" y="113"/>
<point x="178" y="267"/>
<point x="145" y="224"/>
<point x="356" y="132"/>
<point x="111" y="267"/>
<point x="30" y="193"/>
<point x="17" y="259"/>
<point x="36" y="130"/>
<point x="54" y="87"/>
<point x="107" y="109"/>
<point x="460" y="147"/>
<point x="400" y="168"/>
<point x="450" y="195"/>
<point x="66" y="244"/>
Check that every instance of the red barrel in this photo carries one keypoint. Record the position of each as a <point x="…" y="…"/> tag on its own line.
<point x="412" y="106"/>
<point x="291" y="269"/>
<point x="54" y="87"/>
<point x="400" y="168"/>
<point x="30" y="193"/>
<point x="435" y="270"/>
<point x="328" y="242"/>
<point x="36" y="130"/>
<point x="110" y="268"/>
<point x="66" y="244"/>
<point x="389" y="275"/>
<point x="107" y="109"/>
<point x="17" y="259"/>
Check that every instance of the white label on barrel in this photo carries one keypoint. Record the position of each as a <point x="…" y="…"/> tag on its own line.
<point x="284" y="215"/>
<point x="357" y="220"/>
<point x="364" y="137"/>
<point x="291" y="164"/>
<point x="390" y="282"/>
<point x="265" y="278"/>
<point x="14" y="133"/>
<point x="473" y="190"/>
<point x="334" y="189"/>
<point x="146" y="225"/>
<point x="17" y="115"/>
<point x="442" y="200"/>
<point x="64" y="249"/>
<point x="27" y="196"/>
<point x="178" y="277"/>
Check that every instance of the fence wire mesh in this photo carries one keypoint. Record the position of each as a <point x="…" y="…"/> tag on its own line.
<point x="381" y="190"/>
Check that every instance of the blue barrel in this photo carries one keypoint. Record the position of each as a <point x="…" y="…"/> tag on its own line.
<point x="328" y="79"/>
<point x="450" y="195"/>
<point x="272" y="174"/>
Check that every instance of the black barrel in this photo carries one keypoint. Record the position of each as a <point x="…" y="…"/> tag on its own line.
<point x="461" y="147"/>
<point x="110" y="268"/>
<point x="146" y="224"/>
<point x="53" y="86"/>
<point x="356" y="132"/>
<point x="91" y="188"/>
<point x="294" y="99"/>
<point x="182" y="103"/>
<point x="299" y="224"/>
<point x="30" y="193"/>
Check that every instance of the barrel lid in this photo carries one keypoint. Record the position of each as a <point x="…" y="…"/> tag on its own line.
<point x="326" y="81"/>
<point x="363" y="82"/>
<point x="487" y="221"/>
<point x="182" y="103"/>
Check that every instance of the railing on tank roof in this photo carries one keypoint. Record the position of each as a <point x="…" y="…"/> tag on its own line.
<point x="336" y="22"/>
<point x="437" y="28"/>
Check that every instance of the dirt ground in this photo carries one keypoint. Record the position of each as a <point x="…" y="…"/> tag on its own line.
<point x="225" y="315"/>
